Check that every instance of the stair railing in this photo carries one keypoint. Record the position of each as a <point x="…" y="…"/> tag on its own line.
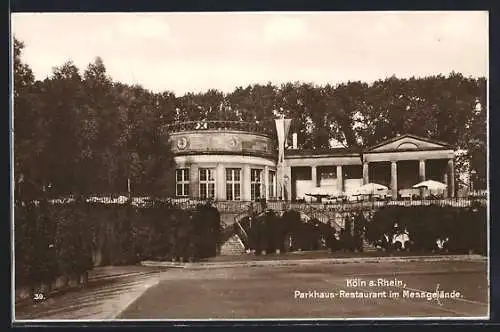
<point x="240" y="230"/>
<point x="313" y="212"/>
<point x="243" y="232"/>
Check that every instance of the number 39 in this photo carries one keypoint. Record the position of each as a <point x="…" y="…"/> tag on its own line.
<point x="38" y="296"/>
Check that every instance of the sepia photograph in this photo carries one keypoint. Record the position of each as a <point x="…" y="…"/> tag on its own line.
<point x="249" y="166"/>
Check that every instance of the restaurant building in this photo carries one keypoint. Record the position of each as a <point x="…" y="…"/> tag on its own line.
<point x="238" y="161"/>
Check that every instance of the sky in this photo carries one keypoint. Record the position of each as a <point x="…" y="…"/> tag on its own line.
<point x="194" y="52"/>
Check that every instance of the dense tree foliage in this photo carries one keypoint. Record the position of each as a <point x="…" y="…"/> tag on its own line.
<point x="86" y="134"/>
<point x="82" y="132"/>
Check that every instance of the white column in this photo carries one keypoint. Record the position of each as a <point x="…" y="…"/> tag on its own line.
<point x="220" y="182"/>
<point x="366" y="173"/>
<point x="288" y="191"/>
<point x="340" y="179"/>
<point x="266" y="182"/>
<point x="245" y="183"/>
<point x="394" y="179"/>
<point x="451" y="177"/>
<point x="275" y="185"/>
<point x="445" y="180"/>
<point x="421" y="169"/>
<point x="314" y="176"/>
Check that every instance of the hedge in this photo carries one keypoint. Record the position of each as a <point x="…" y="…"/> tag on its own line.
<point x="269" y="232"/>
<point x="69" y="239"/>
<point x="464" y="229"/>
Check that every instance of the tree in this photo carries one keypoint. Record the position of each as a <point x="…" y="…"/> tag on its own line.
<point x="91" y="134"/>
<point x="111" y="121"/>
<point x="29" y="128"/>
<point x="63" y="102"/>
<point x="149" y="160"/>
<point x="166" y="106"/>
<point x="290" y="103"/>
<point x="23" y="75"/>
<point x="475" y="137"/>
<point x="313" y="102"/>
<point x="254" y="103"/>
<point x="209" y="104"/>
<point x="346" y="110"/>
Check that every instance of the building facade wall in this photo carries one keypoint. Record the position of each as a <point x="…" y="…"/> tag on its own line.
<point x="220" y="164"/>
<point x="219" y="160"/>
<point x="222" y="142"/>
<point x="225" y="164"/>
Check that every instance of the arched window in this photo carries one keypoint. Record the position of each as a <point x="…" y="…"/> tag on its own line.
<point x="407" y="146"/>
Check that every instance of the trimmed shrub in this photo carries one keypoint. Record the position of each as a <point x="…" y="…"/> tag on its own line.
<point x="462" y="229"/>
<point x="292" y="228"/>
<point x="69" y="239"/>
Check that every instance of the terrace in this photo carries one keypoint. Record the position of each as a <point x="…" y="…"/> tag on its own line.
<point x="263" y="128"/>
<point x="244" y="206"/>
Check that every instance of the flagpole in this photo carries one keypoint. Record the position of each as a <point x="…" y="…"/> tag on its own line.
<point x="282" y="173"/>
<point x="282" y="126"/>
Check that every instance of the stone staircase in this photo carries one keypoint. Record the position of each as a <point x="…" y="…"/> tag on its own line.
<point x="233" y="246"/>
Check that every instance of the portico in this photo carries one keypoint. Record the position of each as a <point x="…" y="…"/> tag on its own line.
<point x="425" y="159"/>
<point x="336" y="171"/>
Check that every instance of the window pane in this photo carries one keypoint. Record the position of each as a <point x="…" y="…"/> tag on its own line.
<point x="255" y="191"/>
<point x="237" y="191"/>
<point x="228" y="174"/>
<point x="229" y="192"/>
<point x="211" y="188"/>
<point x="186" y="174"/>
<point x="179" y="190"/>
<point x="211" y="175"/>
<point x="178" y="173"/>
<point x="186" y="189"/>
<point x="203" y="191"/>
<point x="237" y="174"/>
<point x="255" y="175"/>
<point x="203" y="174"/>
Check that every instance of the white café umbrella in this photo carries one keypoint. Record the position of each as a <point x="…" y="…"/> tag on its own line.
<point x="371" y="188"/>
<point x="431" y="185"/>
<point x="319" y="191"/>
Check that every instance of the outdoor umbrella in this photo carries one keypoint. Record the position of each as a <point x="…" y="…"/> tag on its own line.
<point x="319" y="191"/>
<point x="431" y="185"/>
<point x="434" y="187"/>
<point x="371" y="188"/>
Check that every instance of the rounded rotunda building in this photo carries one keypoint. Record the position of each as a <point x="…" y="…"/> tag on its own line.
<point x="224" y="160"/>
